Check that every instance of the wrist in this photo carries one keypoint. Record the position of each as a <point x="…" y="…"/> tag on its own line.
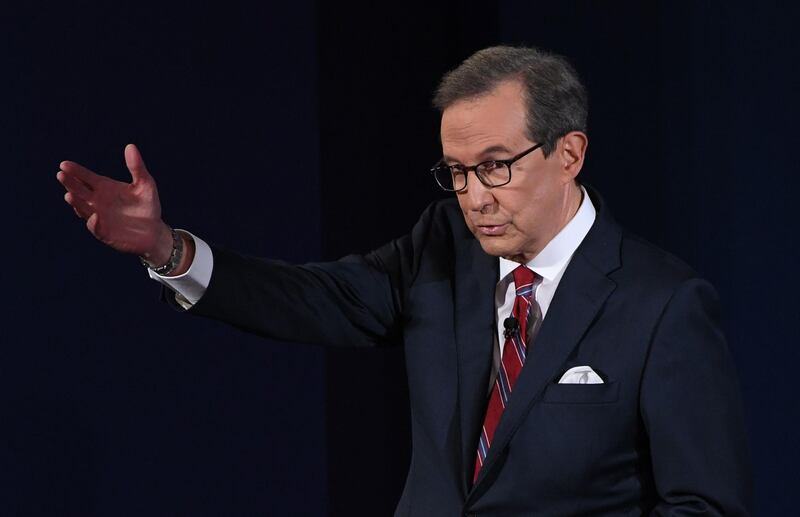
<point x="173" y="261"/>
<point x="162" y="249"/>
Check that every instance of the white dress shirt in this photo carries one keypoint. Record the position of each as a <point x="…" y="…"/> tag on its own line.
<point x="549" y="265"/>
<point x="190" y="286"/>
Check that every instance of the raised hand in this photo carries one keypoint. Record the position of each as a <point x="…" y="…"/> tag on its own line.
<point x="125" y="216"/>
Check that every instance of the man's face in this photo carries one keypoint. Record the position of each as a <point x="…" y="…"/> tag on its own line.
<point x="516" y="220"/>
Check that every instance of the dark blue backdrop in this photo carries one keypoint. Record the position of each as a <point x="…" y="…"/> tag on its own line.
<point x="283" y="131"/>
<point x="119" y="405"/>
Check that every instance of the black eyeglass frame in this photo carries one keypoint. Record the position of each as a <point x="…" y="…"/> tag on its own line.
<point x="464" y="170"/>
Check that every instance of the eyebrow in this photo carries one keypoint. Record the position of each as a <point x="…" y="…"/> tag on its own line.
<point x="484" y="154"/>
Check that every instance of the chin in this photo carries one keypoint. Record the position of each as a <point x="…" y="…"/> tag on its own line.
<point x="495" y="248"/>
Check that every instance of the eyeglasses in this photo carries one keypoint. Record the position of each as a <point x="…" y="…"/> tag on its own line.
<point x="492" y="173"/>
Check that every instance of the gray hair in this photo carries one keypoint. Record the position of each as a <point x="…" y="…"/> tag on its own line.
<point x="556" y="100"/>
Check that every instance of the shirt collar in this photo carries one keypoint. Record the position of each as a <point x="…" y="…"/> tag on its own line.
<point x="555" y="256"/>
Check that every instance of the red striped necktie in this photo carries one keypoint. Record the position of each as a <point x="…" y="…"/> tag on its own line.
<point x="514" y="351"/>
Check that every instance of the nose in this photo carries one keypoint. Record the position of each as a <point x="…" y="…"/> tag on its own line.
<point x="477" y="196"/>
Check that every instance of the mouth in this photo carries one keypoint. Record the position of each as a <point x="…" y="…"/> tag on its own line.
<point x="492" y="229"/>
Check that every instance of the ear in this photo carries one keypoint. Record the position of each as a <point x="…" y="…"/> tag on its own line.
<point x="571" y="152"/>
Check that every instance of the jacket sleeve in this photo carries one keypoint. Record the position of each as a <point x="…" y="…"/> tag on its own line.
<point x="692" y="411"/>
<point x="355" y="301"/>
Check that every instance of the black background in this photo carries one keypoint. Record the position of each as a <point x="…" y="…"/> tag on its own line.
<point x="304" y="132"/>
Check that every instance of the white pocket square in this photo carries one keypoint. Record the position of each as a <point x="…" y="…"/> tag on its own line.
<point x="580" y="375"/>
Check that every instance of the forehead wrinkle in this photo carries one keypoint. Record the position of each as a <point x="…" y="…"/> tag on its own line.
<point x="466" y="133"/>
<point x="487" y="144"/>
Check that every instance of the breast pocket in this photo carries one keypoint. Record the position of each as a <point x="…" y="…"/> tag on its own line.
<point x="606" y="393"/>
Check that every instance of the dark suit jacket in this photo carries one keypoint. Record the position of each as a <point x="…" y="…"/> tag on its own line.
<point x="663" y="434"/>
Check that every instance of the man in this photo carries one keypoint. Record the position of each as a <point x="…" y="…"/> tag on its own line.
<point x="557" y="365"/>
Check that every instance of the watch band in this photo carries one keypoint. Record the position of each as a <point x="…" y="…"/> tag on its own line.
<point x="174" y="257"/>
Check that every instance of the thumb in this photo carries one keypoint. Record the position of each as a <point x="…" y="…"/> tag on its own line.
<point x="135" y="163"/>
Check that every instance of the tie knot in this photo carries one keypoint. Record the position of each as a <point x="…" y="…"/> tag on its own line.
<point x="523" y="280"/>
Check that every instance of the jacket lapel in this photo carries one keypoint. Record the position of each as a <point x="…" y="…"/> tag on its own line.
<point x="474" y="286"/>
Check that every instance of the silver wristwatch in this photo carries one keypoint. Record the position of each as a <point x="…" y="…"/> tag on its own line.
<point x="174" y="257"/>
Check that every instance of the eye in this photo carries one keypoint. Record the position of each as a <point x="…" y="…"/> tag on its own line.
<point x="491" y="167"/>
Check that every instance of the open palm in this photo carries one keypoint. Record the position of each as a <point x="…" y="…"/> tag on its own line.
<point x="125" y="216"/>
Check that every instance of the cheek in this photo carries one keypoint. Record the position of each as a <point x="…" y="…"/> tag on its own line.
<point x="466" y="220"/>
<point x="525" y="219"/>
<point x="461" y="200"/>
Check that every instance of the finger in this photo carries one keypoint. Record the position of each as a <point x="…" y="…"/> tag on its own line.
<point x="85" y="175"/>
<point x="81" y="207"/>
<point x="92" y="224"/>
<point x="73" y="184"/>
<point x="135" y="163"/>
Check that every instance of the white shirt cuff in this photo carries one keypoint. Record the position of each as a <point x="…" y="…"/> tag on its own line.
<point x="191" y="285"/>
